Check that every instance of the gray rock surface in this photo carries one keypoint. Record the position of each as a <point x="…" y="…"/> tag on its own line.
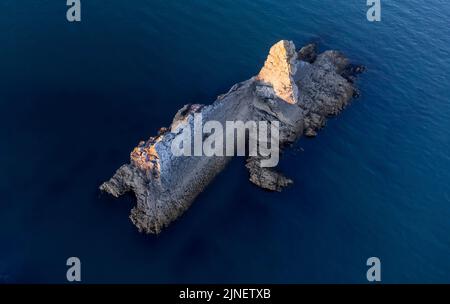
<point x="298" y="89"/>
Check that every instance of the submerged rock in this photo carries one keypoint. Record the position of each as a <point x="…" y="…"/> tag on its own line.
<point x="298" y="89"/>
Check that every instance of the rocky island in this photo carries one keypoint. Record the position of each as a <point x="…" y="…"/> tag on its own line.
<point x="299" y="89"/>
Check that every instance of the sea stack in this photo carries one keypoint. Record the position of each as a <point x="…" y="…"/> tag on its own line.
<point x="300" y="89"/>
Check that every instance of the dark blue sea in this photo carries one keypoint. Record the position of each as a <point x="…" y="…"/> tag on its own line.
<point x="75" y="98"/>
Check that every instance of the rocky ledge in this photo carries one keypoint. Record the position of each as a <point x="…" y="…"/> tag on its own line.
<point x="300" y="89"/>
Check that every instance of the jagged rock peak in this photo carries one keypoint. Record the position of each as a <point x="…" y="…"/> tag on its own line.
<point x="279" y="70"/>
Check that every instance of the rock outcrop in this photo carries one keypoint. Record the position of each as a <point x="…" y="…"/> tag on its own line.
<point x="279" y="70"/>
<point x="297" y="89"/>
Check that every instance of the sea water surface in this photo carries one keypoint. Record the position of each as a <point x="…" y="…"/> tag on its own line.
<point x="75" y="98"/>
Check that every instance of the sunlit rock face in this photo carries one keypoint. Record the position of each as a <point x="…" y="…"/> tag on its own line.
<point x="298" y="89"/>
<point x="279" y="70"/>
<point x="145" y="157"/>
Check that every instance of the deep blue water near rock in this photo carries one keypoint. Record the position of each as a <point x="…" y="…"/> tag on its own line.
<point x="76" y="98"/>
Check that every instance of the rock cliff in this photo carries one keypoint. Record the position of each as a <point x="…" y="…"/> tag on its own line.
<point x="298" y="89"/>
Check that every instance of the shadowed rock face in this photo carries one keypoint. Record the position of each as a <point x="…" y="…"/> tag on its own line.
<point x="298" y="89"/>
